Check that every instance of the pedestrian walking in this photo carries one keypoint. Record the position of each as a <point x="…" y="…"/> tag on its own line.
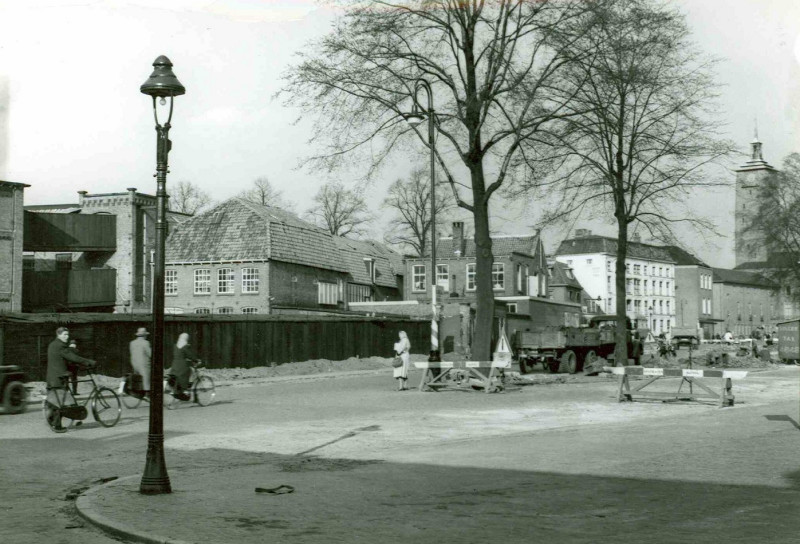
<point x="182" y="358"/>
<point x="402" y="349"/>
<point x="61" y="360"/>
<point x="141" y="353"/>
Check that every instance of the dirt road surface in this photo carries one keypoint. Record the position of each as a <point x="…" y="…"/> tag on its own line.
<point x="557" y="463"/>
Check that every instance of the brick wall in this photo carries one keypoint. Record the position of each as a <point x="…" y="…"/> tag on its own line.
<point x="11" y="233"/>
<point x="297" y="285"/>
<point x="189" y="302"/>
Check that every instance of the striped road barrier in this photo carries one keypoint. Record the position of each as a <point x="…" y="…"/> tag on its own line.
<point x="464" y="375"/>
<point x="690" y="377"/>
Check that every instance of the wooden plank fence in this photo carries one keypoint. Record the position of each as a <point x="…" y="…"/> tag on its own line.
<point x="221" y="341"/>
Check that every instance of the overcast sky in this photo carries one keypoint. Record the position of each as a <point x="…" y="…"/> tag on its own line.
<point x="72" y="117"/>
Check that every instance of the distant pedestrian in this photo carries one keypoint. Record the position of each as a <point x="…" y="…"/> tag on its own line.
<point x="728" y="338"/>
<point x="140" y="357"/>
<point x="183" y="356"/>
<point x="402" y="349"/>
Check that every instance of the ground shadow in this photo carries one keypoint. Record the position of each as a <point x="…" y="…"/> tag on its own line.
<point x="783" y="418"/>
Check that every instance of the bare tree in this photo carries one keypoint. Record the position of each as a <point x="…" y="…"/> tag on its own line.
<point x="641" y="130"/>
<point x="340" y="211"/>
<point x="775" y="225"/>
<point x="264" y="193"/>
<point x="411" y="201"/>
<point x="186" y="197"/>
<point x="490" y="66"/>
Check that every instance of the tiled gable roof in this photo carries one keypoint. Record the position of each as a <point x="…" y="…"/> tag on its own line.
<point x="683" y="257"/>
<point x="240" y="230"/>
<point x="603" y="244"/>
<point x="353" y="253"/>
<point x="723" y="275"/>
<point x="559" y="276"/>
<point x="501" y="246"/>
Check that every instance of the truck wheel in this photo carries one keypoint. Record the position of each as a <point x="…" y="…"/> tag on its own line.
<point x="523" y="365"/>
<point x="569" y="362"/>
<point x="15" y="398"/>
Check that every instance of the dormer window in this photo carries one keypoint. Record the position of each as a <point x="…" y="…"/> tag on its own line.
<point x="370" y="264"/>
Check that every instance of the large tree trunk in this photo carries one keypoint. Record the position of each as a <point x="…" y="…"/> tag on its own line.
<point x="481" y="347"/>
<point x="621" y="349"/>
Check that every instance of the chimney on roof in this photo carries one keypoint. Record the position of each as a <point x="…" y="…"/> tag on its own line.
<point x="81" y="196"/>
<point x="582" y="233"/>
<point x="635" y="237"/>
<point x="458" y="238"/>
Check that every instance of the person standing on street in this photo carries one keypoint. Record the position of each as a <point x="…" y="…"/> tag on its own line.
<point x="403" y="350"/>
<point x="182" y="358"/>
<point x="59" y="357"/>
<point x="140" y="357"/>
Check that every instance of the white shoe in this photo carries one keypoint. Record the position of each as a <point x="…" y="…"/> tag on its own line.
<point x="121" y="387"/>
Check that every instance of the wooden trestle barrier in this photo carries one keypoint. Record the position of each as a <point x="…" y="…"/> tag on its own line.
<point x="688" y="376"/>
<point x="464" y="375"/>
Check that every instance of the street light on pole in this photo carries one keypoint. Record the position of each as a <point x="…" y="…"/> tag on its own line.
<point x="414" y="118"/>
<point x="162" y="85"/>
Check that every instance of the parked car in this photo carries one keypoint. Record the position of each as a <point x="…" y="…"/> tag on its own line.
<point x="13" y="394"/>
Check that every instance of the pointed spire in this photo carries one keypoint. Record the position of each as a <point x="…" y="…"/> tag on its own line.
<point x="755" y="145"/>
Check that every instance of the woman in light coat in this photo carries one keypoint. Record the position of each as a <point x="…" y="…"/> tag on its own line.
<point x="402" y="348"/>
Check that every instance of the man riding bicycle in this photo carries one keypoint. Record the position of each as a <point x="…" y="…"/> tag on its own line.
<point x="61" y="360"/>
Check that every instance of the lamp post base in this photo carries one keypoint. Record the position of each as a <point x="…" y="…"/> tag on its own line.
<point x="434" y="356"/>
<point x="155" y="480"/>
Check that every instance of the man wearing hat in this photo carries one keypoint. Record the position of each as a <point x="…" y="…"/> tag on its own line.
<point x="140" y="356"/>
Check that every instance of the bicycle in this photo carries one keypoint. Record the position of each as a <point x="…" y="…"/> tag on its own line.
<point x="201" y="387"/>
<point x="131" y="396"/>
<point x="105" y="404"/>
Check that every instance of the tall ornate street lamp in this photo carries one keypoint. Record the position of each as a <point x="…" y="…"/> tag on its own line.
<point x="161" y="85"/>
<point x="414" y="118"/>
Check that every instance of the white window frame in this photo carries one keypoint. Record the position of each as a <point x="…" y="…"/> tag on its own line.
<point x="249" y="310"/>
<point x="501" y="274"/>
<point x="250" y="280"/>
<point x="327" y="293"/>
<point x="225" y="310"/>
<point x="511" y="307"/>
<point x="202" y="281"/>
<point x="443" y="277"/>
<point x="203" y="311"/>
<point x="225" y="284"/>
<point x="471" y="272"/>
<point x="170" y="282"/>
<point x="416" y="274"/>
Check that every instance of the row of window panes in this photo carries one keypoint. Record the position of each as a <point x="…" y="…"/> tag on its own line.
<point x="706" y="281"/>
<point x="226" y="279"/>
<point x="707" y="306"/>
<point x="663" y="287"/>
<point x="419" y="279"/>
<point x="656" y="308"/>
<point x="643" y="269"/>
<point x="227" y="310"/>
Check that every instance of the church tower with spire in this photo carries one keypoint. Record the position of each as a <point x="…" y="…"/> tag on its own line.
<point x="750" y="178"/>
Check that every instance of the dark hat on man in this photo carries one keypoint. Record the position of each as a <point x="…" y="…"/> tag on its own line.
<point x="142" y="332"/>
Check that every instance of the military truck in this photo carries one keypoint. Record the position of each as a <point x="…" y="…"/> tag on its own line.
<point x="570" y="349"/>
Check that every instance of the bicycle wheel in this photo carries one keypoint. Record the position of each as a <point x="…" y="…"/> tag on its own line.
<point x="51" y="403"/>
<point x="204" y="391"/>
<point x="129" y="401"/>
<point x="106" y="407"/>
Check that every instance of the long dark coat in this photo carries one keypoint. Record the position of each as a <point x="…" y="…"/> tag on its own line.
<point x="181" y="364"/>
<point x="58" y="353"/>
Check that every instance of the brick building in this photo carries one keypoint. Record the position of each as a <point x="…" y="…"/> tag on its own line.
<point x="241" y="257"/>
<point x="103" y="256"/>
<point x="11" y="245"/>
<point x="744" y="302"/>
<point x="694" y="296"/>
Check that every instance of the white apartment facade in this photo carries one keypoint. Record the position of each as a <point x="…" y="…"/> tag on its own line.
<point x="649" y="278"/>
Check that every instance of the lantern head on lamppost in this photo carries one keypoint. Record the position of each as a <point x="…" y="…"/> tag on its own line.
<point x="162" y="84"/>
